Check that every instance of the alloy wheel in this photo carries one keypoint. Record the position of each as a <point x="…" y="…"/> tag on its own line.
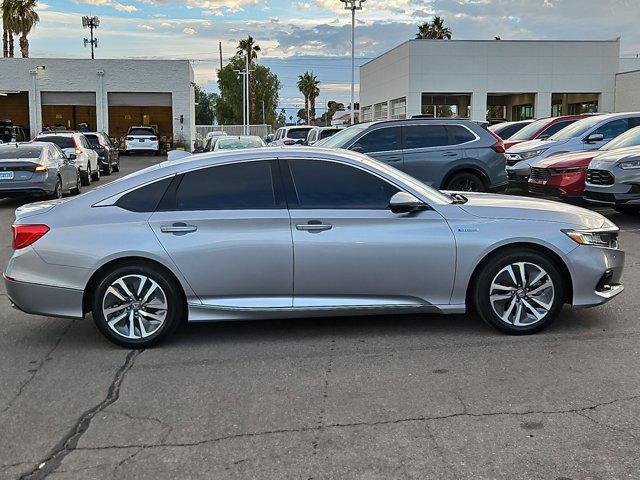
<point x="134" y="306"/>
<point x="522" y="294"/>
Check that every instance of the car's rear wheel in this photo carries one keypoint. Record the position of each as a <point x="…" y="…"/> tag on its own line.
<point x="108" y="169"/>
<point x="136" y="305"/>
<point x="86" y="176"/>
<point x="630" y="209"/>
<point x="95" y="175"/>
<point x="519" y="292"/>
<point x="465" y="182"/>
<point x="116" y="167"/>
<point x="57" y="190"/>
<point x="76" y="190"/>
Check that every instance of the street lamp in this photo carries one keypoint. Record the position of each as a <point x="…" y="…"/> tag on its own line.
<point x="353" y="5"/>
<point x="91" y="23"/>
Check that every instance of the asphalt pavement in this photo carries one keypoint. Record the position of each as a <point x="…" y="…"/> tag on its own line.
<point x="414" y="396"/>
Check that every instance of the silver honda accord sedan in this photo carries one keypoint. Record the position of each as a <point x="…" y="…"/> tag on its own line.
<point x="300" y="232"/>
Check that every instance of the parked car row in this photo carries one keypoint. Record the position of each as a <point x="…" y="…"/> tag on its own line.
<point x="55" y="162"/>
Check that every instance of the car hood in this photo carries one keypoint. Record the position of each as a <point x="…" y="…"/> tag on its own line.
<point x="534" y="145"/>
<point x="496" y="206"/>
<point x="565" y="160"/>
<point x="618" y="154"/>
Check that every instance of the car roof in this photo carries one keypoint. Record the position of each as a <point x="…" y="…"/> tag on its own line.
<point x="56" y="134"/>
<point x="424" y="121"/>
<point x="26" y="144"/>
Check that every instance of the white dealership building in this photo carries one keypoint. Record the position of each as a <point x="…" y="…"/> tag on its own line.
<point x="107" y="95"/>
<point x="498" y="79"/>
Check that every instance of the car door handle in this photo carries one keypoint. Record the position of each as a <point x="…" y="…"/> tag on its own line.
<point x="314" y="227"/>
<point x="450" y="154"/>
<point x="394" y="159"/>
<point x="178" y="228"/>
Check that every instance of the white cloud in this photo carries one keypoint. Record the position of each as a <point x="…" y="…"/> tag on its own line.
<point x="110" y="3"/>
<point x="146" y="27"/>
<point x="188" y="31"/>
<point x="124" y="8"/>
<point x="42" y="6"/>
<point x="217" y="13"/>
<point x="303" y="5"/>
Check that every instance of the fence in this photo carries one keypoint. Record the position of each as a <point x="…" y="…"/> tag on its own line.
<point x="260" y="130"/>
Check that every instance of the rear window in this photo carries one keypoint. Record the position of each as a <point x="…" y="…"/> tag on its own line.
<point x="141" y="131"/>
<point x="93" y="139"/>
<point x="298" y="133"/>
<point x="145" y="198"/>
<point x="11" y="152"/>
<point x="236" y="143"/>
<point x="62" y="142"/>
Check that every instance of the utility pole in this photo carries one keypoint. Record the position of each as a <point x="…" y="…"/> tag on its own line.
<point x="263" y="117"/>
<point x="246" y="69"/>
<point x="91" y="23"/>
<point x="353" y="5"/>
<point x="220" y="47"/>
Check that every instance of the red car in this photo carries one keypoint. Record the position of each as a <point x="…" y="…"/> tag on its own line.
<point x="564" y="175"/>
<point x="542" y="128"/>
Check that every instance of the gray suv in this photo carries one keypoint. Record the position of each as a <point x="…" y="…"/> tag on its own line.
<point x="452" y="154"/>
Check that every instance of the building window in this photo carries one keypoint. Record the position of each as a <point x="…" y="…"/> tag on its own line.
<point x="583" y="107"/>
<point x="521" y="112"/>
<point x="446" y="105"/>
<point x="573" y="103"/>
<point x="367" y="114"/>
<point x="381" y="111"/>
<point x="398" y="108"/>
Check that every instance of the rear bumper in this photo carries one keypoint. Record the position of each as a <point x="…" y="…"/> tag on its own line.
<point x="45" y="300"/>
<point x="142" y="146"/>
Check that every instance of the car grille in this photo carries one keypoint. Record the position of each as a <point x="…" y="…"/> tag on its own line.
<point x="599" y="177"/>
<point x="601" y="197"/>
<point x="542" y="189"/>
<point x="540" y="173"/>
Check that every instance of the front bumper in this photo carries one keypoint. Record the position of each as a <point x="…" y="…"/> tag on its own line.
<point x="45" y="300"/>
<point x="588" y="266"/>
<point x="559" y="185"/>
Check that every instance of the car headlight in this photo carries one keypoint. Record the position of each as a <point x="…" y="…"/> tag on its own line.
<point x="532" y="153"/>
<point x="629" y="164"/>
<point x="567" y="170"/>
<point x="597" y="237"/>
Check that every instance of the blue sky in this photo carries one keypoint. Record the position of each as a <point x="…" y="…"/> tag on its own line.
<point x="312" y="34"/>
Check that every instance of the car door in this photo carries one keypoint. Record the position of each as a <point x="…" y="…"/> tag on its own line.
<point x="381" y="143"/>
<point x="66" y="167"/>
<point x="227" y="229"/>
<point x="351" y="250"/>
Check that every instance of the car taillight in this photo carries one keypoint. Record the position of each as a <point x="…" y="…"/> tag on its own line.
<point x="41" y="168"/>
<point x="128" y="138"/>
<point x="499" y="145"/>
<point x="25" y="235"/>
<point x="78" y="151"/>
<point x="289" y="142"/>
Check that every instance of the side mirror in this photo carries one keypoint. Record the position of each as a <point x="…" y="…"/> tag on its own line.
<point x="594" y="137"/>
<point x="543" y="136"/>
<point x="72" y="156"/>
<point x="357" y="148"/>
<point x="403" y="202"/>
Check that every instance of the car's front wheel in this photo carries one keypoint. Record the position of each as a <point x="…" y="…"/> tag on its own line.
<point x="519" y="292"/>
<point x="137" y="305"/>
<point x="465" y="182"/>
<point x="86" y="176"/>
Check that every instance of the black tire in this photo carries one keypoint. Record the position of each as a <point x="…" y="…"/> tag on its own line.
<point x="86" y="176"/>
<point x="465" y="182"/>
<point x="493" y="267"/>
<point x="57" y="192"/>
<point x="78" y="187"/>
<point x="628" y="209"/>
<point x="174" y="299"/>
<point x="108" y="169"/>
<point x="116" y="167"/>
<point x="95" y="176"/>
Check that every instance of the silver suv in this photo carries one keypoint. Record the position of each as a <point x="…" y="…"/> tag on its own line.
<point x="452" y="154"/>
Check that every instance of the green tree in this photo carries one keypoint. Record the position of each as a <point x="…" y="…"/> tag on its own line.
<point x="302" y="115"/>
<point x="205" y="106"/>
<point x="229" y="105"/>
<point x="434" y="30"/>
<point x="249" y="49"/>
<point x="281" y="121"/>
<point x="308" y="86"/>
<point x="332" y="108"/>
<point x="9" y="26"/>
<point x="26" y="18"/>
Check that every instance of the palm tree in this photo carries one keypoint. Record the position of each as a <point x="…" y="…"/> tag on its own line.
<point x="26" y="19"/>
<point x="313" y="92"/>
<point x="249" y="49"/>
<point x="434" y="30"/>
<point x="302" y="85"/>
<point x="8" y="26"/>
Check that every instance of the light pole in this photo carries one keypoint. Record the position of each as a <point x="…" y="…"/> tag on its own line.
<point x="353" y="5"/>
<point x="244" y="76"/>
<point x="91" y="23"/>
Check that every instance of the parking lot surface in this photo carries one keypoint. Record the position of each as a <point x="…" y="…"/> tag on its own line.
<point x="416" y="396"/>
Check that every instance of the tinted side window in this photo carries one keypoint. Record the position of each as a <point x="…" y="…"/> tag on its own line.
<point x="330" y="185"/>
<point x="245" y="185"/>
<point x="613" y="128"/>
<point x="555" y="127"/>
<point x="634" y="122"/>
<point x="145" y="198"/>
<point x="379" y="140"/>
<point x="425" y="136"/>
<point x="458" y="135"/>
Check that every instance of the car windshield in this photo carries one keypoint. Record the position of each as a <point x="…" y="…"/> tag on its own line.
<point x="298" y="133"/>
<point x="22" y="152"/>
<point x="141" y="131"/>
<point x="577" y="129"/>
<point x="62" y="142"/>
<point x="238" y="142"/>
<point x="630" y="138"/>
<point x="525" y="133"/>
<point x="343" y="137"/>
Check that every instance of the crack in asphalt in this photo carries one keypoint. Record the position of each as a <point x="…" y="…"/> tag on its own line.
<point x="70" y="441"/>
<point x="579" y="411"/>
<point x="325" y="394"/>
<point x="34" y="372"/>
